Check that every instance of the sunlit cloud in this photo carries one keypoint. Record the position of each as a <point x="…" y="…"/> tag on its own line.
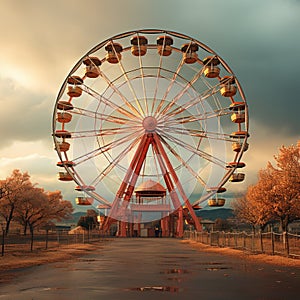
<point x="42" y="40"/>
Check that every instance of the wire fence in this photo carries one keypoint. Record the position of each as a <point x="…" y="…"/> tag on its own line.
<point x="17" y="243"/>
<point x="285" y="244"/>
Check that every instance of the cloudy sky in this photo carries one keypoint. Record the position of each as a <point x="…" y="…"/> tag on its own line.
<point x="42" y="40"/>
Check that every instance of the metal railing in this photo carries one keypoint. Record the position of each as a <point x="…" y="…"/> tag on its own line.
<point x="17" y="242"/>
<point x="272" y="243"/>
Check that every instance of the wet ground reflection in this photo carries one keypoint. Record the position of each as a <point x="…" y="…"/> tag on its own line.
<point x="171" y="289"/>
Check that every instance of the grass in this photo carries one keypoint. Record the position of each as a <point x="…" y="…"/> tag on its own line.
<point x="259" y="258"/>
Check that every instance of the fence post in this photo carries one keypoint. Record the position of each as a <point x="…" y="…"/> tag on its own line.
<point x="57" y="234"/>
<point x="287" y="246"/>
<point x="3" y="241"/>
<point x="261" y="241"/>
<point x="47" y="231"/>
<point x="272" y="241"/>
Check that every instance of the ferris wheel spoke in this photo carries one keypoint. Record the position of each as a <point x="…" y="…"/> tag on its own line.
<point x="143" y="79"/>
<point x="113" y="163"/>
<point x="103" y="132"/>
<point x="197" y="117"/>
<point x="183" y="162"/>
<point x="189" y="105"/>
<point x="198" y="133"/>
<point x="194" y="150"/>
<point x="158" y="76"/>
<point x="106" y="101"/>
<point x="140" y="109"/>
<point x="172" y="82"/>
<point x="123" y="98"/>
<point x="103" y="149"/>
<point x="103" y="117"/>
<point x="182" y="92"/>
<point x="185" y="131"/>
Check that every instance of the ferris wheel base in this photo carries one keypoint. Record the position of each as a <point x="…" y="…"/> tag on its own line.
<point x="169" y="225"/>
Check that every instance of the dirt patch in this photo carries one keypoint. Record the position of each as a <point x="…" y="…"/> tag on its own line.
<point x="264" y="258"/>
<point x="24" y="258"/>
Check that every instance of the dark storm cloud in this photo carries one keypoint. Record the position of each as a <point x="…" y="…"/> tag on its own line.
<point x="258" y="39"/>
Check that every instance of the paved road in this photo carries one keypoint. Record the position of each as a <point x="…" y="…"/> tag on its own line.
<point x="154" y="269"/>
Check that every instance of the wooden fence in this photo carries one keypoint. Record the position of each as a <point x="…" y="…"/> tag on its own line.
<point x="286" y="244"/>
<point x="17" y="243"/>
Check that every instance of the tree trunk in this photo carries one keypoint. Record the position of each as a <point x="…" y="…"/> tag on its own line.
<point x="8" y="220"/>
<point x="261" y="241"/>
<point x="3" y="242"/>
<point x="31" y="233"/>
<point x="25" y="229"/>
<point x="284" y="225"/>
<point x="47" y="235"/>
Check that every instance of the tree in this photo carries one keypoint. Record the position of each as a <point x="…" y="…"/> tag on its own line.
<point x="58" y="208"/>
<point x="252" y="209"/>
<point x="276" y="195"/>
<point x="38" y="207"/>
<point x="285" y="192"/>
<point x="11" y="190"/>
<point x="89" y="221"/>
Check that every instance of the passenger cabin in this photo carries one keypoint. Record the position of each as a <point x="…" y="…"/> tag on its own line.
<point x="239" y="146"/>
<point x="210" y="67"/>
<point x="64" y="117"/>
<point x="65" y="163"/>
<point x="216" y="202"/>
<point x="139" y="45"/>
<point x="234" y="164"/>
<point x="238" y="115"/>
<point x="84" y="200"/>
<point x="237" y="177"/>
<point x="63" y="146"/>
<point x="164" y="45"/>
<point x="63" y="134"/>
<point x="92" y="64"/>
<point x="114" y="50"/>
<point x="88" y="188"/>
<point x="189" y="53"/>
<point x="64" y="105"/>
<point x="74" y="89"/>
<point x="64" y="176"/>
<point x="227" y="87"/>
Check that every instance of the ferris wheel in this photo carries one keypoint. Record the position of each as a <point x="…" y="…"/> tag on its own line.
<point x="150" y="108"/>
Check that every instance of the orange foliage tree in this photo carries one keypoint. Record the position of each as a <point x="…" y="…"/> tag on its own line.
<point x="285" y="192"/>
<point x="29" y="205"/>
<point x="276" y="195"/>
<point x="11" y="190"/>
<point x="38" y="207"/>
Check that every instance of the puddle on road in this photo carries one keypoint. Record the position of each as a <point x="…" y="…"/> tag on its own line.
<point x="175" y="271"/>
<point x="208" y="263"/>
<point x="170" y="289"/>
<point x="213" y="266"/>
<point x="216" y="268"/>
<point x="41" y="289"/>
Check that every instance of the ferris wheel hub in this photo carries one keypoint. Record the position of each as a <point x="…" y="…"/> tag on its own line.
<point x="149" y="123"/>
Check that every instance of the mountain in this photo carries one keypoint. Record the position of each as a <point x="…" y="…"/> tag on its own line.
<point x="213" y="214"/>
<point x="74" y="218"/>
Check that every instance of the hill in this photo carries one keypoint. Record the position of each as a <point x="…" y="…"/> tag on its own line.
<point x="213" y="214"/>
<point x="205" y="214"/>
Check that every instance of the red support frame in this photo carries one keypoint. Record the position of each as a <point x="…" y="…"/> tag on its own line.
<point x="119" y="209"/>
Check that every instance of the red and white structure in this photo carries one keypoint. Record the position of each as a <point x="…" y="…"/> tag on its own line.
<point x="150" y="124"/>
